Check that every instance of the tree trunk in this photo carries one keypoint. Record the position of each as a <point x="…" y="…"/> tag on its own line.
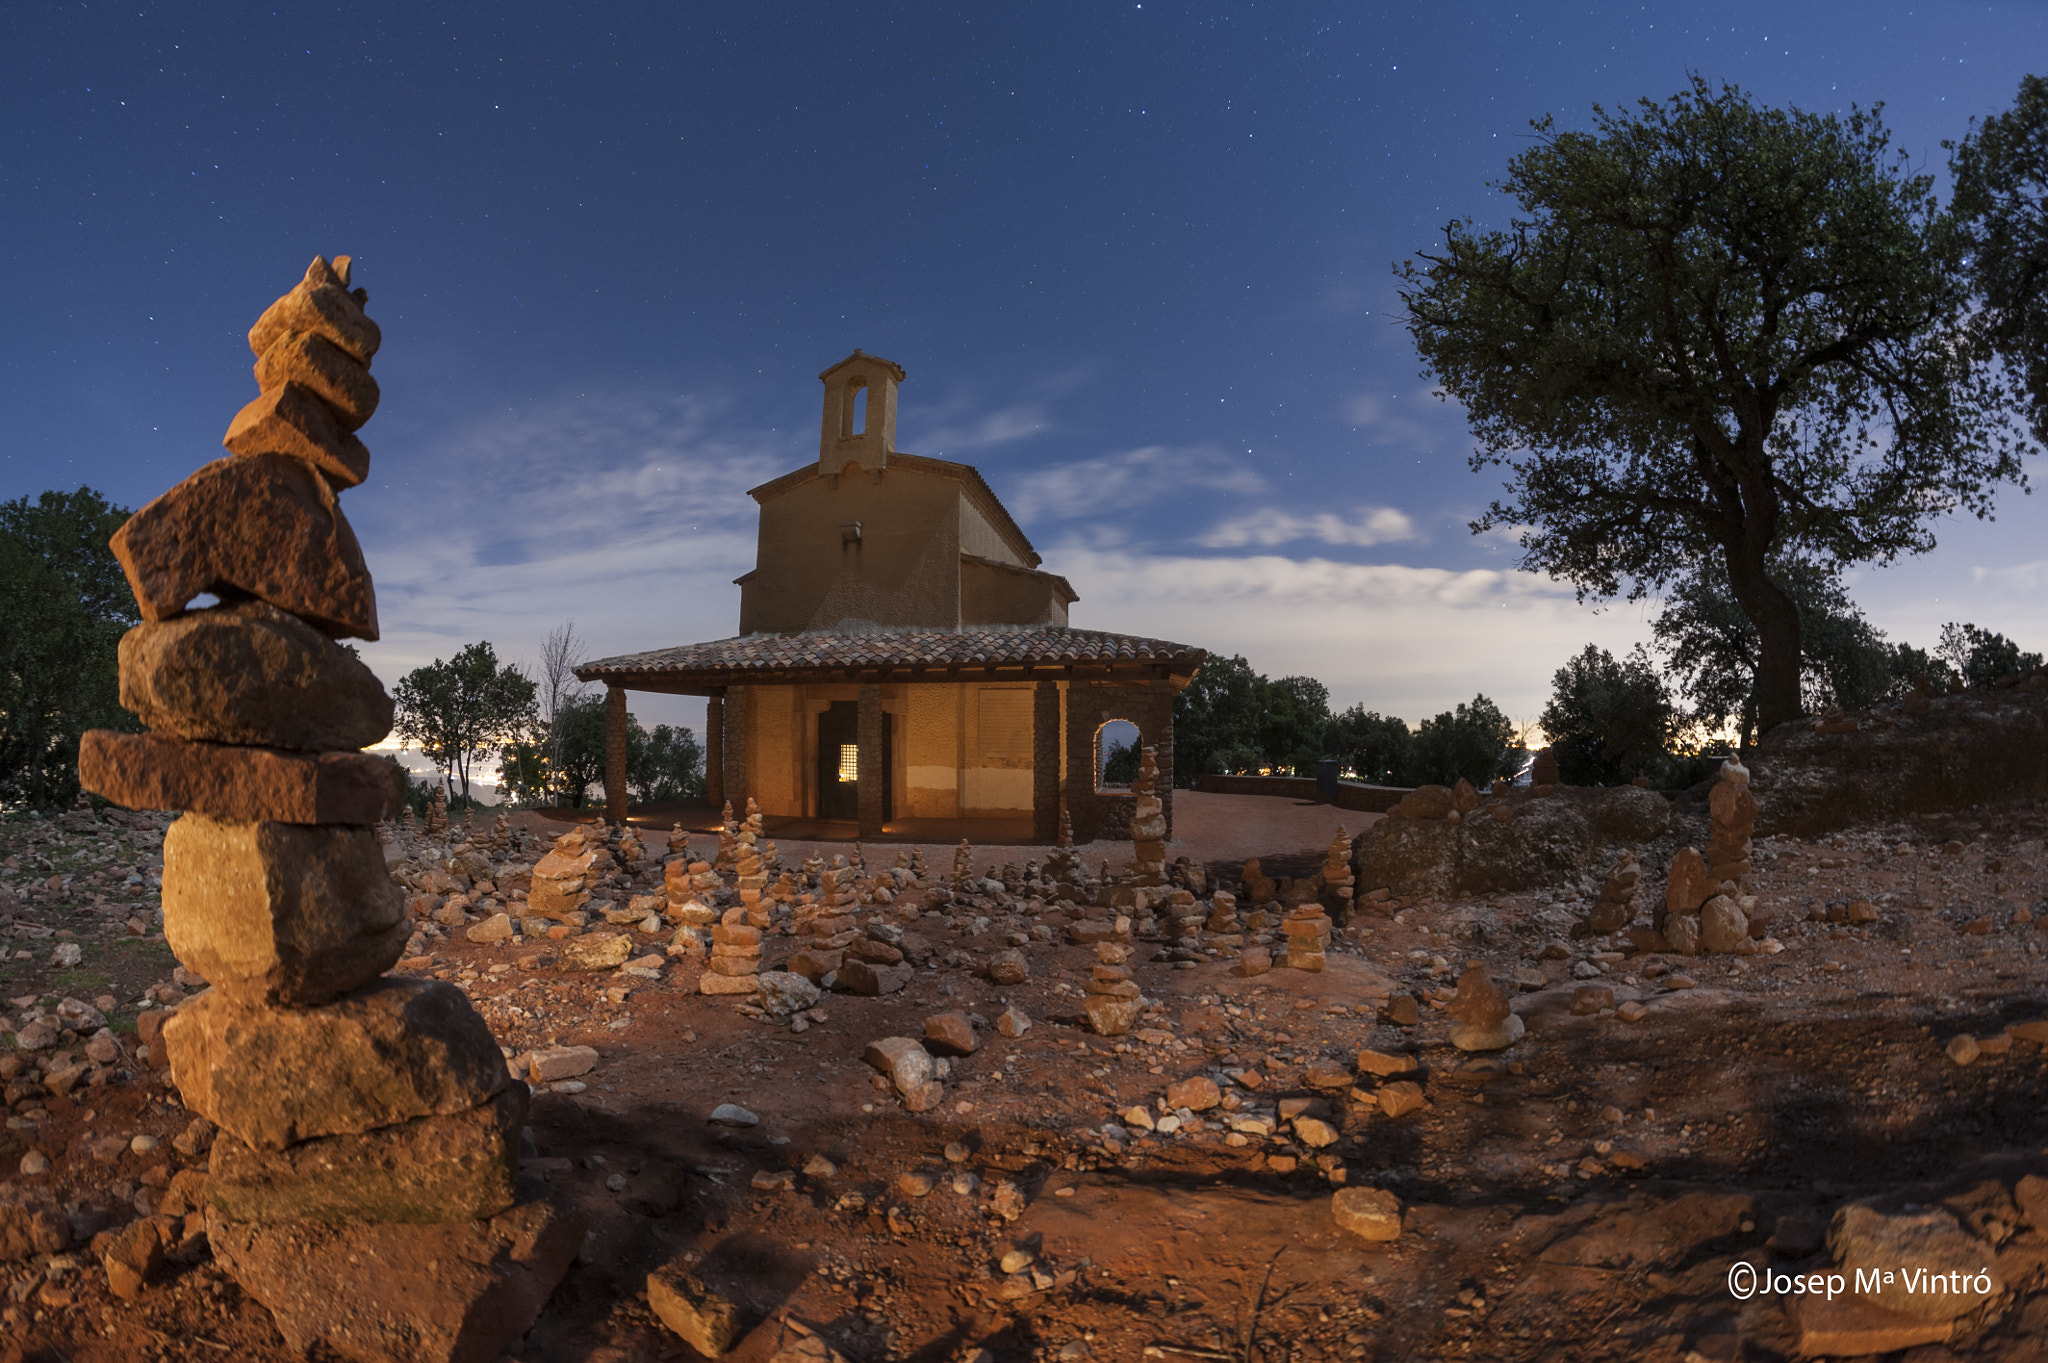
<point x="1776" y="621"/>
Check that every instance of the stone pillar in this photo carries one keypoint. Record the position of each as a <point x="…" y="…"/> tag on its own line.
<point x="1159" y="733"/>
<point x="714" y="751"/>
<point x="873" y="757"/>
<point x="738" y="711"/>
<point x="1083" y="808"/>
<point x="615" y="754"/>
<point x="1045" y="762"/>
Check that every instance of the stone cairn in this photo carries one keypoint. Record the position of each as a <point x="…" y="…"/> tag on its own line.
<point x="368" y="1125"/>
<point x="678" y="841"/>
<point x="752" y="880"/>
<point x="1113" y="1000"/>
<point x="1616" y="906"/>
<point x="562" y="882"/>
<point x="1707" y="904"/>
<point x="1484" y="1020"/>
<point x="728" y="840"/>
<point x="1307" y="932"/>
<point x="963" y="868"/>
<point x="1338" y="881"/>
<point x="437" y="814"/>
<point x="1148" y="825"/>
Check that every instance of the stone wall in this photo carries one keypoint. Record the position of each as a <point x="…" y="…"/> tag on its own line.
<point x="1090" y="705"/>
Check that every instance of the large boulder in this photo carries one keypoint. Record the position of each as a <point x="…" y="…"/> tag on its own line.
<point x="1543" y="841"/>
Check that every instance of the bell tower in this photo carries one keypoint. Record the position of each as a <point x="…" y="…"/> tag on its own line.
<point x="859" y="426"/>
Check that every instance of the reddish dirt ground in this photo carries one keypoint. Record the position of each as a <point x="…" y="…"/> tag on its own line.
<point x="1581" y="1196"/>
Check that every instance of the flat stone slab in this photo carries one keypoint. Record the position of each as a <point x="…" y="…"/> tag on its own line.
<point x="454" y="1293"/>
<point x="244" y="785"/>
<point x="431" y="1169"/>
<point x="264" y="524"/>
<point x="397" y="1050"/>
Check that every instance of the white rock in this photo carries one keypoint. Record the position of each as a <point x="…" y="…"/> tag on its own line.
<point x="732" y="1114"/>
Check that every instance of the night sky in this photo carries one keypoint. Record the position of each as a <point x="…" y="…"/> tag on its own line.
<point x="1136" y="259"/>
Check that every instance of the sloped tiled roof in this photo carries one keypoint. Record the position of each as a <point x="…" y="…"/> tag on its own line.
<point x="902" y="654"/>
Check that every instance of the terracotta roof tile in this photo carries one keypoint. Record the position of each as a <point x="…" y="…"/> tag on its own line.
<point x="984" y="646"/>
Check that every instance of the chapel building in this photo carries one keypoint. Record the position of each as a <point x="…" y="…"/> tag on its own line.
<point x="902" y="658"/>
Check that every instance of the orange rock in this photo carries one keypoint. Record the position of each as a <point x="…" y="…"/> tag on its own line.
<point x="292" y="420"/>
<point x="276" y="913"/>
<point x="324" y="369"/>
<point x="1848" y="1326"/>
<point x="322" y="303"/>
<point x="266" y="525"/>
<point x="252" y="674"/>
<point x="248" y="785"/>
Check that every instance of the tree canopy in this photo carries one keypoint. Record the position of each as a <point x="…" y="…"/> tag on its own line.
<point x="1716" y="329"/>
<point x="460" y="711"/>
<point x="2001" y="201"/>
<point x="1609" y="719"/>
<point x="64" y="605"/>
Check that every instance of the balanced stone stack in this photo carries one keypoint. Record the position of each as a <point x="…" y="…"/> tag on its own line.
<point x="367" y="1125"/>
<point x="678" y="841"/>
<point x="1616" y="906"/>
<point x="728" y="839"/>
<point x="1148" y="825"/>
<point x="837" y="900"/>
<point x="1259" y="888"/>
<point x="1223" y="932"/>
<point x="1338" y="879"/>
<point x="735" y="955"/>
<point x="1185" y="917"/>
<point x="563" y="879"/>
<point x="437" y="814"/>
<point x="752" y="880"/>
<point x="1113" y="999"/>
<point x="1307" y="932"/>
<point x="1485" y="1022"/>
<point x="1543" y="772"/>
<point x="1707" y="904"/>
<point x="963" y="867"/>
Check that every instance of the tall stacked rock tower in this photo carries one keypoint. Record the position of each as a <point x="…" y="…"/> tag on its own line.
<point x="368" y="1125"/>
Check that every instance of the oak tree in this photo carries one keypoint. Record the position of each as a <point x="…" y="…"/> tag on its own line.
<point x="1713" y="328"/>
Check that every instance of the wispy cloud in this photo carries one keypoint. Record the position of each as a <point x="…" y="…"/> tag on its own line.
<point x="1112" y="484"/>
<point x="626" y="511"/>
<point x="963" y="433"/>
<point x="1367" y="526"/>
<point x="1414" y="418"/>
<point x="1403" y="640"/>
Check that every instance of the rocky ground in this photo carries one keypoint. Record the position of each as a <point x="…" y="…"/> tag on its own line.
<point x="1163" y="1194"/>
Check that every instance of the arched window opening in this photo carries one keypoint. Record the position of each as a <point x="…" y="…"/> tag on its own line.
<point x="1117" y="745"/>
<point x="854" y="415"/>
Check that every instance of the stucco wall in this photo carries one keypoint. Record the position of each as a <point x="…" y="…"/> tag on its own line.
<point x="905" y="570"/>
<point x="775" y="733"/>
<point x="996" y="596"/>
<point x="979" y="536"/>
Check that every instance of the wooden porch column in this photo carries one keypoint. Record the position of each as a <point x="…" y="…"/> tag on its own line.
<point x="872" y="758"/>
<point x="714" y="751"/>
<point x="614" y="754"/>
<point x="1045" y="762"/>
